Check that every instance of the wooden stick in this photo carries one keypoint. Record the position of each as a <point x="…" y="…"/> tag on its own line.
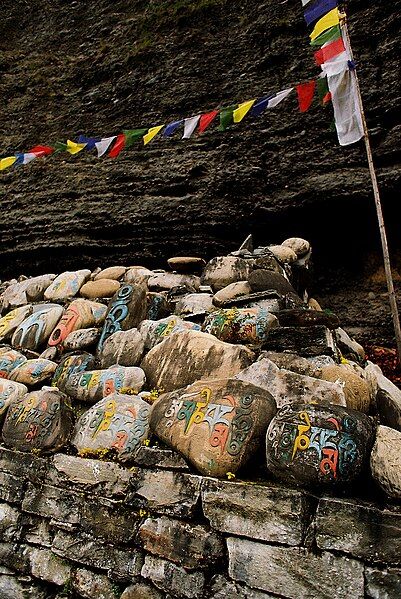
<point x="383" y="236"/>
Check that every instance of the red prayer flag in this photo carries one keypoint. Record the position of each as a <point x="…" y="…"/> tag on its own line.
<point x="118" y="146"/>
<point x="206" y="119"/>
<point x="305" y="92"/>
<point x="41" y="151"/>
<point x="330" y="51"/>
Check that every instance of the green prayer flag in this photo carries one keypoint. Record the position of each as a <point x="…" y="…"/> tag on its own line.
<point x="328" y="36"/>
<point x="59" y="146"/>
<point x="323" y="90"/>
<point x="226" y="117"/>
<point x="133" y="135"/>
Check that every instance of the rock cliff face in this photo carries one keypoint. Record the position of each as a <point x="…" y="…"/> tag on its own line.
<point x="96" y="68"/>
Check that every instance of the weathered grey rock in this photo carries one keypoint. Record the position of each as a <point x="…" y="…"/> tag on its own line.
<point x="217" y="425"/>
<point x="264" y="258"/>
<point x="318" y="445"/>
<point x="241" y="325"/>
<point x="356" y="389"/>
<point x="47" y="501"/>
<point x="140" y="590"/>
<point x="99" y="288"/>
<point x="117" y="422"/>
<point x="50" y="353"/>
<point x="189" y="545"/>
<point x="79" y="314"/>
<point x="123" y="347"/>
<point x="93" y="385"/>
<point x="35" y="330"/>
<point x="383" y="584"/>
<point x="223" y="270"/>
<point x="298" y="317"/>
<point x="47" y="566"/>
<point x="9" y="392"/>
<point x="67" y="285"/>
<point x="12" y="320"/>
<point x="284" y="254"/>
<point x="231" y="292"/>
<point x="137" y="275"/>
<point x="194" y="304"/>
<point x="266" y="280"/>
<point x="298" y="245"/>
<point x="349" y="347"/>
<point x="385" y="461"/>
<point x="186" y="357"/>
<point x="172" y="579"/>
<point x="72" y="365"/>
<point x="277" y="570"/>
<point x="388" y="398"/>
<point x="16" y="295"/>
<point x="267" y="512"/>
<point x="168" y="280"/>
<point x="155" y="457"/>
<point x="221" y="588"/>
<point x="9" y="360"/>
<point x="186" y="264"/>
<point x="33" y="372"/>
<point x="41" y="420"/>
<point x="156" y="331"/>
<point x="126" y="310"/>
<point x="289" y="387"/>
<point x="12" y="588"/>
<point x="157" y="306"/>
<point x="303" y="341"/>
<point x="81" y="339"/>
<point x="292" y="362"/>
<point x="9" y="523"/>
<point x="114" y="273"/>
<point x="92" y="585"/>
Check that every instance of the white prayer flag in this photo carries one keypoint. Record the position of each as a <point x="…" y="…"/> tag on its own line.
<point x="103" y="145"/>
<point x="347" y="110"/>
<point x="279" y="97"/>
<point x="190" y="126"/>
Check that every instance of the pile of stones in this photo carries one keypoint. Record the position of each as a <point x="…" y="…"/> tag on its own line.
<point x="229" y="362"/>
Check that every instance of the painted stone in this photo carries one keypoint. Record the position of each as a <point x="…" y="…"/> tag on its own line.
<point x="231" y="292"/>
<point x="112" y="272"/>
<point x="194" y="305"/>
<point x="289" y="387"/>
<point x="240" y="325"/>
<point x="92" y="385"/>
<point x="284" y="254"/>
<point x="125" y="348"/>
<point x="183" y="358"/>
<point x="72" y="365"/>
<point x="12" y="320"/>
<point x="36" y="329"/>
<point x="118" y="422"/>
<point x="385" y="461"/>
<point x="33" y="372"/>
<point x="156" y="331"/>
<point x="318" y="446"/>
<point x="126" y="310"/>
<point x="217" y="425"/>
<point x="9" y="392"/>
<point x="17" y="294"/>
<point x="67" y="285"/>
<point x="81" y="339"/>
<point x="9" y="360"/>
<point x="298" y="245"/>
<point x="41" y="420"/>
<point x="223" y="270"/>
<point x="307" y="318"/>
<point x="167" y="280"/>
<point x="50" y="353"/>
<point x="356" y="389"/>
<point x="264" y="280"/>
<point x="186" y="264"/>
<point x="156" y="306"/>
<point x="80" y="314"/>
<point x="99" y="288"/>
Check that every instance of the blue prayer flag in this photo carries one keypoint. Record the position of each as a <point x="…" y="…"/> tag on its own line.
<point x="318" y="9"/>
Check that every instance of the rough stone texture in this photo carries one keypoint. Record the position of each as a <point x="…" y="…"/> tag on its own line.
<point x="11" y="588"/>
<point x="284" y="254"/>
<point x="9" y="391"/>
<point x="93" y="385"/>
<point x="19" y="294"/>
<point x="99" y="288"/>
<point x="92" y="585"/>
<point x="47" y="566"/>
<point x="383" y="584"/>
<point x="66" y="285"/>
<point x="298" y="245"/>
<point x="33" y="372"/>
<point x="122" y="347"/>
<point x="35" y="330"/>
<point x="12" y="320"/>
<point x="171" y="578"/>
<point x="9" y="522"/>
<point x="298" y="317"/>
<point x="224" y="270"/>
<point x="385" y="461"/>
<point x="356" y="389"/>
<point x="349" y="347"/>
<point x="241" y="325"/>
<point x="388" y="398"/>
<point x="186" y="264"/>
<point x="194" y="305"/>
<point x="114" y="273"/>
<point x="291" y="362"/>
<point x="156" y="331"/>
<point x="78" y="315"/>
<point x="82" y="339"/>
<point x="294" y="572"/>
<point x="9" y="360"/>
<point x="165" y="281"/>
<point x="231" y="292"/>
<point x="304" y="341"/>
<point x="267" y="280"/>
<point x="140" y="590"/>
<point x="154" y="457"/>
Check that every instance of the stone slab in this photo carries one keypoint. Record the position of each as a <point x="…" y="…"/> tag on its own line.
<point x="304" y="341"/>
<point x="171" y="578"/>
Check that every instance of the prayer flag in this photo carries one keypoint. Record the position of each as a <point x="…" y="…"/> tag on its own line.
<point x="277" y="98"/>
<point x="103" y="145"/>
<point x="118" y="146"/>
<point x="242" y="110"/>
<point x="190" y="126"/>
<point x="60" y="146"/>
<point x="89" y="141"/>
<point x="323" y="90"/>
<point x="41" y="151"/>
<point x="318" y="9"/>
<point x="153" y="131"/>
<point x="207" y="119"/>
<point x="169" y="130"/>
<point x="73" y="147"/>
<point x="7" y="162"/>
<point x="330" y="20"/>
<point x="25" y="158"/>
<point x="336" y="65"/>
<point x="133" y="135"/>
<point x="328" y="36"/>
<point x="329" y="51"/>
<point x="226" y="117"/>
<point x="261" y="105"/>
<point x="347" y="110"/>
<point x="305" y="92"/>
<point x="305" y="2"/>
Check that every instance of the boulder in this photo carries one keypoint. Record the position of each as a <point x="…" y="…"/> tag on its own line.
<point x="79" y="314"/>
<point x="156" y="306"/>
<point x="114" y="273"/>
<point x="72" y="365"/>
<point x="307" y="318"/>
<point x="385" y="461"/>
<point x="231" y="292"/>
<point x="167" y="280"/>
<point x="67" y="285"/>
<point x="266" y="280"/>
<point x="9" y="360"/>
<point x="356" y="389"/>
<point x="137" y="275"/>
<point x="303" y="341"/>
<point x="240" y="325"/>
<point x="99" y="288"/>
<point x="217" y="425"/>
<point x="184" y="358"/>
<point x="292" y="362"/>
<point x="41" y="420"/>
<point x="194" y="305"/>
<point x="93" y="385"/>
<point x="223" y="270"/>
<point x="12" y="320"/>
<point x="35" y="330"/>
<point x="16" y="295"/>
<point x="349" y="347"/>
<point x="156" y="331"/>
<point x="126" y="310"/>
<point x="33" y="372"/>
<point x="9" y="392"/>
<point x="318" y="446"/>
<point x="186" y="264"/>
<point x="388" y="398"/>
<point x="289" y="387"/>
<point x="117" y="422"/>
<point x="125" y="348"/>
<point x="265" y="259"/>
<point x="284" y="254"/>
<point x="298" y="245"/>
<point x="81" y="339"/>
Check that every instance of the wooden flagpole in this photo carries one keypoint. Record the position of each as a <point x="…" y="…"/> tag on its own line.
<point x="383" y="236"/>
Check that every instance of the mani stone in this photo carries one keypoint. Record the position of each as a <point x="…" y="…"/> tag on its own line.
<point x="223" y="270"/>
<point x="385" y="461"/>
<point x="9" y="360"/>
<point x="184" y="264"/>
<point x="80" y="314"/>
<point x="127" y="308"/>
<point x="99" y="288"/>
<point x="318" y="446"/>
<point x="35" y="330"/>
<point x="125" y="348"/>
<point x="240" y="325"/>
<point x="284" y="254"/>
<point x="307" y="318"/>
<point x="265" y="280"/>
<point x="231" y="292"/>
<point x="303" y="341"/>
<point x="81" y="339"/>
<point x="156" y="306"/>
<point x="167" y="280"/>
<point x="12" y="320"/>
<point x="194" y="304"/>
<point x="41" y="420"/>
<point x="21" y="293"/>
<point x="112" y="272"/>
<point x="9" y="392"/>
<point x="156" y="331"/>
<point x="356" y="389"/>
<point x="67" y="285"/>
<point x="72" y="365"/>
<point x="118" y="422"/>
<point x="216" y="425"/>
<point x="91" y="386"/>
<point x="184" y="358"/>
<point x="289" y="387"/>
<point x="300" y="246"/>
<point x="33" y="372"/>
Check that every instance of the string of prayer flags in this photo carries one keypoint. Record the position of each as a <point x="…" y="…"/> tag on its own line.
<point x="25" y="158"/>
<point x="133" y="135"/>
<point x="279" y="97"/>
<point x="331" y="19"/>
<point x="206" y="120"/>
<point x="261" y="105"/>
<point x="347" y="110"/>
<point x="73" y="147"/>
<point x="305" y="92"/>
<point x="329" y="51"/>
<point x="190" y="125"/>
<point x="41" y="151"/>
<point x="7" y="162"/>
<point x="242" y="110"/>
<point x="169" y="130"/>
<point x="316" y="10"/>
<point x="60" y="146"/>
<point x="226" y="117"/>
<point x="153" y="131"/>
<point x="118" y="146"/>
<point x="330" y="35"/>
<point x="90" y="142"/>
<point x="103" y="145"/>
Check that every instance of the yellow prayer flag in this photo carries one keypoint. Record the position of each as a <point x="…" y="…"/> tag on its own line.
<point x="73" y="147"/>
<point x="6" y="162"/>
<point x="153" y="131"/>
<point x="242" y="110"/>
<point x="331" y="19"/>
